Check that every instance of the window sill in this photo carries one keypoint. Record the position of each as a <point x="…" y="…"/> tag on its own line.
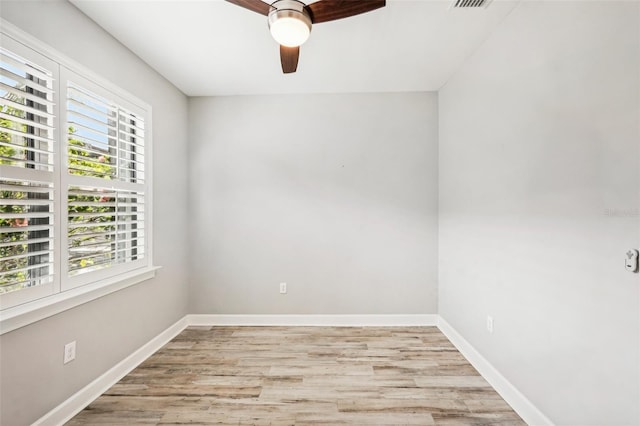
<point x="28" y="313"/>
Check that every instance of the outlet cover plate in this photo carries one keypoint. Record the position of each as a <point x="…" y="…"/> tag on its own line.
<point x="490" y="324"/>
<point x="69" y="352"/>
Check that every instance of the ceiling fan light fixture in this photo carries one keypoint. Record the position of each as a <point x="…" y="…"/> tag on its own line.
<point x="290" y="20"/>
<point x="289" y="23"/>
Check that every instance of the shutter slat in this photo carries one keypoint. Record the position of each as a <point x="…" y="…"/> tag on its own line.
<point x="79" y="235"/>
<point x="140" y="223"/>
<point x="30" y="96"/>
<point x="38" y="280"/>
<point x="79" y="216"/>
<point x="26" y="202"/>
<point x="88" y="118"/>
<point x="138" y="126"/>
<point x="18" y="188"/>
<point x="91" y="142"/>
<point x="25" y="108"/>
<point x="92" y="161"/>
<point x="92" y="245"/>
<point x="94" y="111"/>
<point x="91" y="204"/>
<point x="127" y="116"/>
<point x="8" y="57"/>
<point x="131" y="135"/>
<point x="30" y="228"/>
<point x="14" y="119"/>
<point x="88" y="98"/>
<point x="87" y="171"/>
<point x="74" y="225"/>
<point x="37" y="215"/>
<point x="95" y="193"/>
<point x="26" y="135"/>
<point x="105" y="253"/>
<point x="15" y="162"/>
<point x="129" y="153"/>
<point x="27" y="83"/>
<point x="27" y="268"/>
<point x="27" y="148"/>
<point x="23" y="243"/>
<point x="27" y="255"/>
<point x="80" y="126"/>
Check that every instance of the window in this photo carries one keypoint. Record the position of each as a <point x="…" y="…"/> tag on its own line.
<point x="105" y="182"/>
<point x="74" y="187"/>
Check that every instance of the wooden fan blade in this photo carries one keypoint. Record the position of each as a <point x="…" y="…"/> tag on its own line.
<point x="289" y="58"/>
<point x="330" y="10"/>
<point x="257" y="6"/>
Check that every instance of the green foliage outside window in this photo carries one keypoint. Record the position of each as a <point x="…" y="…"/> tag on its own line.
<point x="90" y="243"/>
<point x="11" y="245"/>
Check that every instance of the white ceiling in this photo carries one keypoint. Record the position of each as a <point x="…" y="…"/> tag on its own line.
<point x="211" y="47"/>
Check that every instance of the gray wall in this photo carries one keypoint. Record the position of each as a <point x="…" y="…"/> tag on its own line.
<point x="334" y="194"/>
<point x="539" y="202"/>
<point x="108" y="329"/>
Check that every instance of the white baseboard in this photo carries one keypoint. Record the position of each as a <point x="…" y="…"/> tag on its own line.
<point x="315" y="320"/>
<point x="78" y="401"/>
<point x="520" y="404"/>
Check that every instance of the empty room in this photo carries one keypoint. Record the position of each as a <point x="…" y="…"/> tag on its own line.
<point x="338" y="212"/>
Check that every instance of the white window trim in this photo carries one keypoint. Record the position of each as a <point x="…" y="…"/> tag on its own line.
<point x="36" y="310"/>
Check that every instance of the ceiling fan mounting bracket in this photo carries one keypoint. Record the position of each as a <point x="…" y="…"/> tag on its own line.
<point x="281" y="5"/>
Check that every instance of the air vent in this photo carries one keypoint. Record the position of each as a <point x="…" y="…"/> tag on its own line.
<point x="470" y="4"/>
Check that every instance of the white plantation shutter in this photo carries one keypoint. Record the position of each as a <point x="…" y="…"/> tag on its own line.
<point x="105" y="227"/>
<point x="27" y="173"/>
<point x="92" y="139"/>
<point x="26" y="234"/>
<point x="105" y="183"/>
<point x="74" y="181"/>
<point x="26" y="114"/>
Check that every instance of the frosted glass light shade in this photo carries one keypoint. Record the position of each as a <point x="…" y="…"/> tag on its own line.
<point x="290" y="31"/>
<point x="289" y="22"/>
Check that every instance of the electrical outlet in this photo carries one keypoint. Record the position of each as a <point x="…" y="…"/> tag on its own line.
<point x="283" y="288"/>
<point x="490" y="324"/>
<point x="69" y="352"/>
<point x="631" y="260"/>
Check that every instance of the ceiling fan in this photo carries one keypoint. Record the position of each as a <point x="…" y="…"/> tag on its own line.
<point x="290" y="21"/>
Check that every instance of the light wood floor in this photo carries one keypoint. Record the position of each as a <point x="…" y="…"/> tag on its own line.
<point x="303" y="375"/>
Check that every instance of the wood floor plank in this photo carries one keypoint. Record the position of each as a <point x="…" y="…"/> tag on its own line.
<point x="413" y="405"/>
<point x="375" y="382"/>
<point x="462" y="381"/>
<point x="302" y="376"/>
<point x="314" y="393"/>
<point x="379" y="419"/>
